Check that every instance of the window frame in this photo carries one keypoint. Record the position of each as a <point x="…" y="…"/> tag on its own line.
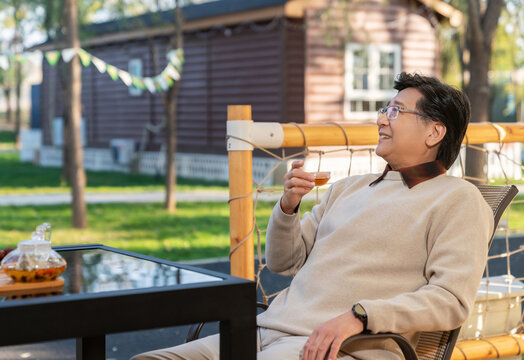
<point x="134" y="91"/>
<point x="373" y="93"/>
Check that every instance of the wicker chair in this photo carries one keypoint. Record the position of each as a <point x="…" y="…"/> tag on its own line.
<point x="434" y="345"/>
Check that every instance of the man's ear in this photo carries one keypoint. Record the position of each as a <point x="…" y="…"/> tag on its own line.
<point x="436" y="134"/>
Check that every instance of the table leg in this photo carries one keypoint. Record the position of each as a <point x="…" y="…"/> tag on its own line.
<point x="91" y="348"/>
<point x="238" y="340"/>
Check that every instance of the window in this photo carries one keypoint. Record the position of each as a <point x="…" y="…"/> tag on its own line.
<point x="57" y="131"/>
<point x="369" y="78"/>
<point x="135" y="69"/>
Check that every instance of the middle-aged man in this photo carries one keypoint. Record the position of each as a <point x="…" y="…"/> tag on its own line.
<point x="402" y="251"/>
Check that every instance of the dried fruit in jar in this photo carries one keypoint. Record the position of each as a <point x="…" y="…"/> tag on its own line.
<point x="4" y="252"/>
<point x="35" y="274"/>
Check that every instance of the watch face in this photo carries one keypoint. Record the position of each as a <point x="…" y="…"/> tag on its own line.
<point x="360" y="310"/>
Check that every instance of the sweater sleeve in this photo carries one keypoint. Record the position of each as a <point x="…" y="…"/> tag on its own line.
<point x="457" y="246"/>
<point x="289" y="240"/>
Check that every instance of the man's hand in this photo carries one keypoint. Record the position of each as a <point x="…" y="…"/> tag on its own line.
<point x="328" y="337"/>
<point x="297" y="183"/>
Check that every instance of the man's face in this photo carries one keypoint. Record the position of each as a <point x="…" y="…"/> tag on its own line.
<point x="402" y="141"/>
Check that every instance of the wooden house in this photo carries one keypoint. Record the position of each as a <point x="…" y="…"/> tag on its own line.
<point x="297" y="61"/>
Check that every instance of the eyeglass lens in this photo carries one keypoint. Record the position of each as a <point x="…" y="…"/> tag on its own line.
<point x="391" y="112"/>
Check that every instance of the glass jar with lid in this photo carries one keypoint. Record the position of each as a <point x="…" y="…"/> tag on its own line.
<point x="34" y="259"/>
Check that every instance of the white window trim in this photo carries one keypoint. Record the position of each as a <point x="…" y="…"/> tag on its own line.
<point x="133" y="91"/>
<point x="373" y="93"/>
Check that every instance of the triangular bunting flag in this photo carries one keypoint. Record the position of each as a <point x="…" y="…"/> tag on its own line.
<point x="172" y="56"/>
<point x="172" y="72"/>
<point x="137" y="82"/>
<point x="99" y="64"/>
<point x="85" y="57"/>
<point x="125" y="77"/>
<point x="176" y="58"/>
<point x="163" y="83"/>
<point x="160" y="83"/>
<point x="180" y="53"/>
<point x="4" y="62"/>
<point x="68" y="54"/>
<point x="150" y="85"/>
<point x="167" y="79"/>
<point x="112" y="71"/>
<point x="52" y="57"/>
<point x="173" y="59"/>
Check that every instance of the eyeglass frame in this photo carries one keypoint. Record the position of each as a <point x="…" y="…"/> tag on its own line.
<point x="384" y="110"/>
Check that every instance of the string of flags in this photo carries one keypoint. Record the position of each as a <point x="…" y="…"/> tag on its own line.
<point x="158" y="83"/>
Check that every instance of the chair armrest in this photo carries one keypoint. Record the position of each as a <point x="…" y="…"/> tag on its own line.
<point x="405" y="346"/>
<point x="194" y="330"/>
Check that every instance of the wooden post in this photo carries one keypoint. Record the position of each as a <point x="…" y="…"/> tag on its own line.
<point x="241" y="207"/>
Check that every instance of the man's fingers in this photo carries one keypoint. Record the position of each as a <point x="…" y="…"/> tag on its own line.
<point x="311" y="345"/>
<point x="297" y="164"/>
<point x="307" y="345"/>
<point x="335" y="348"/>
<point x="317" y="346"/>
<point x="301" y="174"/>
<point x="299" y="183"/>
<point x="323" y="347"/>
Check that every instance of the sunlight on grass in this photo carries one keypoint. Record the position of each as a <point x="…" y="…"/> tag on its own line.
<point x="195" y="231"/>
<point x="516" y="216"/>
<point x="7" y="140"/>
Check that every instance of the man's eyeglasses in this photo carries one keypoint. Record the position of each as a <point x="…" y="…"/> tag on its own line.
<point x="393" y="111"/>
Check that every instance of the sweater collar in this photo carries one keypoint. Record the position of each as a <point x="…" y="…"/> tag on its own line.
<point x="414" y="175"/>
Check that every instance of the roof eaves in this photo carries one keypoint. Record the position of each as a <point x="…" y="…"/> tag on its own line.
<point x="194" y="14"/>
<point x="455" y="16"/>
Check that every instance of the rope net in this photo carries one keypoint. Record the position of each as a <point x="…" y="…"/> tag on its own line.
<point x="498" y="308"/>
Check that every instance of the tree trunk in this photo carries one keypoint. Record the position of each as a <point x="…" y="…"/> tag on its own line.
<point x="170" y="103"/>
<point x="65" y="176"/>
<point x="170" y="201"/>
<point x="9" y="110"/>
<point x="481" y="30"/>
<point x="18" y="86"/>
<point x="74" y="86"/>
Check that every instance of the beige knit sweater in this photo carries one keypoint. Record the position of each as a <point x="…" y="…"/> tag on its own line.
<point x="412" y="257"/>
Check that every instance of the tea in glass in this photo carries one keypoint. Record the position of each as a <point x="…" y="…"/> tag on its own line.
<point x="321" y="177"/>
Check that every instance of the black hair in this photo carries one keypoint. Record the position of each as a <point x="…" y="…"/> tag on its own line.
<point x="443" y="103"/>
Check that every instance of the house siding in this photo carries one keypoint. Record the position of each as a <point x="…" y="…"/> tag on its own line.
<point x="294" y="72"/>
<point x="221" y="68"/>
<point x="369" y="22"/>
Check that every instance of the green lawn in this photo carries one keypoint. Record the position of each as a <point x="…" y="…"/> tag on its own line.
<point x="195" y="231"/>
<point x="7" y="137"/>
<point x="7" y="140"/>
<point x="23" y="178"/>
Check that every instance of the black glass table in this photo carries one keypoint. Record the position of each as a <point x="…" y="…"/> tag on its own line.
<point x="107" y="290"/>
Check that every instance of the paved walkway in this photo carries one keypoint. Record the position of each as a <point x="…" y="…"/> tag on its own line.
<point x="94" y="198"/>
<point x="134" y="197"/>
<point x="138" y="197"/>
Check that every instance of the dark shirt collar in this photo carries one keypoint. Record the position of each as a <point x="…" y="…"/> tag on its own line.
<point x="414" y="175"/>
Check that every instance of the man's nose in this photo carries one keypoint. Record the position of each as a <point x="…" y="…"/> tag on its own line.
<point x="382" y="119"/>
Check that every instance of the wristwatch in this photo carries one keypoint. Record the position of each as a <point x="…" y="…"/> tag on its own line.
<point x="360" y="314"/>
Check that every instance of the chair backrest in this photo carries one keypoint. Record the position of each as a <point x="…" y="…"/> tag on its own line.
<point x="438" y="345"/>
